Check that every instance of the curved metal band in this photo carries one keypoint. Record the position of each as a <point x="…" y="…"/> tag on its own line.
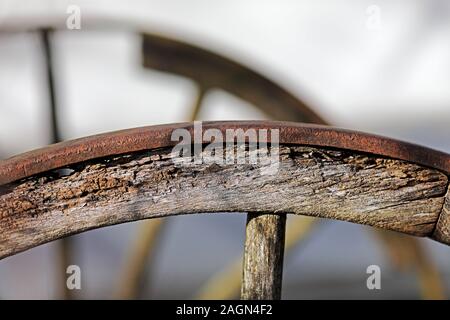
<point x="145" y="138"/>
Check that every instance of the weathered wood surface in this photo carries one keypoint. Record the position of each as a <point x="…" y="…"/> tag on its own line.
<point x="442" y="230"/>
<point x="263" y="256"/>
<point x="385" y="193"/>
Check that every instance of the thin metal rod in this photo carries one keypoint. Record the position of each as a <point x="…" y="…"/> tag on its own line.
<point x="48" y="58"/>
<point x="197" y="106"/>
<point x="263" y="256"/>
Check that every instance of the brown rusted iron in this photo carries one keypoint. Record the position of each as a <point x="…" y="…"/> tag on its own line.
<point x="139" y="139"/>
<point x="211" y="70"/>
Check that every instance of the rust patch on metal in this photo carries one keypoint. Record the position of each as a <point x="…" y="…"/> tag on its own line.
<point x="146" y="138"/>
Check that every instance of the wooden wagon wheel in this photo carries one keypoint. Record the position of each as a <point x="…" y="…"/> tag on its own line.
<point x="210" y="70"/>
<point x="130" y="175"/>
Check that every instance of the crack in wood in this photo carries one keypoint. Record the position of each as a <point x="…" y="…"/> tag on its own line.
<point x="441" y="231"/>
<point x="328" y="183"/>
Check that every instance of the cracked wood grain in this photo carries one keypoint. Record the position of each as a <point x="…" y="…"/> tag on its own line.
<point x="336" y="184"/>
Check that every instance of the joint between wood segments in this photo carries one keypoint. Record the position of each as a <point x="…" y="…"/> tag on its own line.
<point x="441" y="231"/>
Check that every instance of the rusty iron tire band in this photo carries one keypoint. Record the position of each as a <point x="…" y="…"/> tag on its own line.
<point x="152" y="137"/>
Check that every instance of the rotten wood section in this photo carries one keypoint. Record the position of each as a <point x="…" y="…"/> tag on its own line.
<point x="263" y="256"/>
<point x="323" y="182"/>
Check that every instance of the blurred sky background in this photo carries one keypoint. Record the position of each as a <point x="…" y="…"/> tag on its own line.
<point x="392" y="79"/>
